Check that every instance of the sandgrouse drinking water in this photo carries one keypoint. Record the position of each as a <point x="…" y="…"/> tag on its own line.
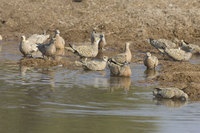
<point x="170" y="93"/>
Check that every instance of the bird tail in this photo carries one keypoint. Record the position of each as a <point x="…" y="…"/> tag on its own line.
<point x="151" y="40"/>
<point x="78" y="63"/>
<point x="116" y="63"/>
<point x="69" y="49"/>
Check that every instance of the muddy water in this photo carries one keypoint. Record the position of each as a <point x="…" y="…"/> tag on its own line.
<point x="195" y="59"/>
<point x="58" y="100"/>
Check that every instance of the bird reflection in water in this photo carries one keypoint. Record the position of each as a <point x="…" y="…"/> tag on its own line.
<point x="51" y="77"/>
<point x="39" y="73"/>
<point x="23" y="69"/>
<point x="172" y="103"/>
<point x="59" y="54"/>
<point x="117" y="83"/>
<point x="1" y="46"/>
<point x="151" y="73"/>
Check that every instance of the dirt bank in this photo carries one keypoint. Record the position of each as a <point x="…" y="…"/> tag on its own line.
<point x="183" y="75"/>
<point x="121" y="20"/>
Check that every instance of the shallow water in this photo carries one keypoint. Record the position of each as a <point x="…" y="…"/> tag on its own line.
<point x="195" y="59"/>
<point x="58" y="100"/>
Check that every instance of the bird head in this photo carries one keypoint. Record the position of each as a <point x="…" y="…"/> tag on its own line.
<point x="23" y="38"/>
<point x="57" y="32"/>
<point x="105" y="58"/>
<point x="148" y="54"/>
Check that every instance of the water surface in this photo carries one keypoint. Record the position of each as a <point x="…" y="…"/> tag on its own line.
<point x="58" y="100"/>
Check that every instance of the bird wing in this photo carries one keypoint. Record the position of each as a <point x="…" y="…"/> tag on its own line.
<point x="92" y="65"/>
<point x="167" y="43"/>
<point x="120" y="58"/>
<point x="83" y="50"/>
<point x="176" y="54"/>
<point x="35" y="38"/>
<point x="158" y="44"/>
<point x="62" y="41"/>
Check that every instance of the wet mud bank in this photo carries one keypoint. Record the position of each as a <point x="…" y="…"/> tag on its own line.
<point x="183" y="75"/>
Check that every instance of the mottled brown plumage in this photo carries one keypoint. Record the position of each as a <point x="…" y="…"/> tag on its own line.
<point x="123" y="57"/>
<point x="96" y="64"/>
<point x="93" y="34"/>
<point x="161" y="44"/>
<point x="178" y="54"/>
<point x="150" y="61"/>
<point x="119" y="70"/>
<point x="190" y="47"/>
<point x="59" y="42"/>
<point x="85" y="50"/>
<point x="102" y="42"/>
<point x="169" y="93"/>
